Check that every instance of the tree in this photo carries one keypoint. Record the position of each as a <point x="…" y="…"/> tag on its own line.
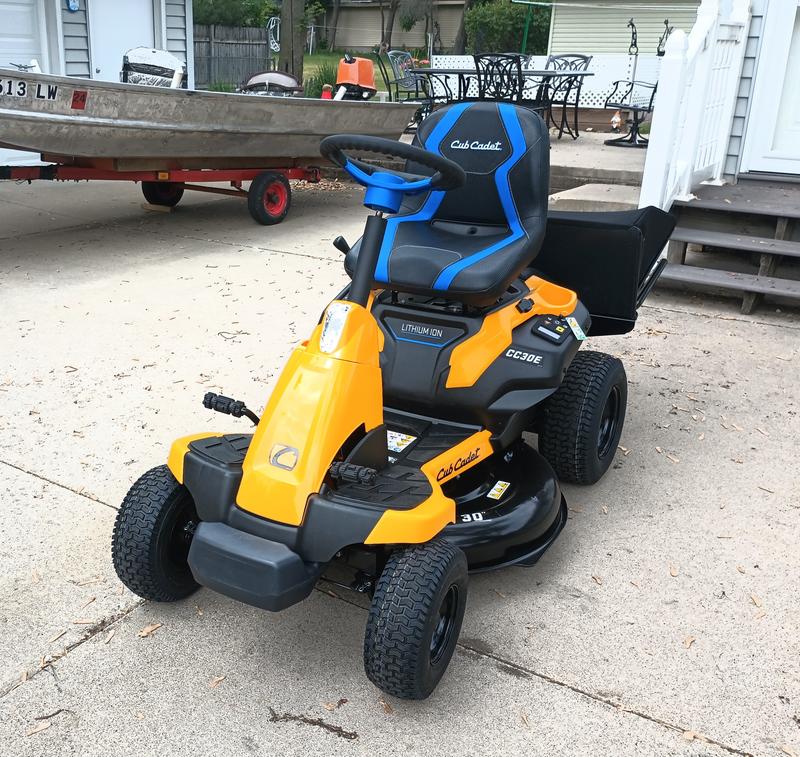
<point x="234" y="12"/>
<point x="499" y="26"/>
<point x="460" y="44"/>
<point x="336" y="4"/>
<point x="293" y="37"/>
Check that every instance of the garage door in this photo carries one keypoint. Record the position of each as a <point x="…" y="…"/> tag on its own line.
<point x="20" y="41"/>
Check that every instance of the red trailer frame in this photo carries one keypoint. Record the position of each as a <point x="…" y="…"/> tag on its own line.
<point x="268" y="198"/>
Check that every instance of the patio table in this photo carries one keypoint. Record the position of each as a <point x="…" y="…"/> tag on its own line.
<point x="441" y="76"/>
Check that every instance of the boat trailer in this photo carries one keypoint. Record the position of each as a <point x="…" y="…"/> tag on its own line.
<point x="268" y="197"/>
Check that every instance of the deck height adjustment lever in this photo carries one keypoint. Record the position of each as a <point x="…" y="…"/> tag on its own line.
<point x="340" y="243"/>
<point x="229" y="406"/>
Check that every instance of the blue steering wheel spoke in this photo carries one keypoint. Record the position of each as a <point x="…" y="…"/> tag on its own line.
<point x="385" y="190"/>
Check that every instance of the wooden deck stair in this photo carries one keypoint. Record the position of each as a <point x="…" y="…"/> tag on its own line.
<point x="755" y="218"/>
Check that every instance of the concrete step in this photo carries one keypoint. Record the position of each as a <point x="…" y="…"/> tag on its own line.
<point x="728" y="241"/>
<point x="675" y="273"/>
<point x="596" y="197"/>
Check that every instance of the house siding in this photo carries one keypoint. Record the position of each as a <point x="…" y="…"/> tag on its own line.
<point x="733" y="157"/>
<point x="359" y="27"/>
<point x="603" y="28"/>
<point x="176" y="28"/>
<point x="76" y="42"/>
<point x="77" y="61"/>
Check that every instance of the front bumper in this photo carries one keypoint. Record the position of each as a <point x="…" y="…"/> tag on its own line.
<point x="254" y="570"/>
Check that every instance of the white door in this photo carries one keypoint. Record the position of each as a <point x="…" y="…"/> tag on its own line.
<point x="114" y="28"/>
<point x="772" y="142"/>
<point x="20" y="42"/>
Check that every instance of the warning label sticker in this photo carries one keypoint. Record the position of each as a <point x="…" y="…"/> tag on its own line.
<point x="498" y="490"/>
<point x="398" y="442"/>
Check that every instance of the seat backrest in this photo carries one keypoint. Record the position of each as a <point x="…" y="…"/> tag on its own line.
<point x="505" y="151"/>
<point x="568" y="62"/>
<point x="401" y="61"/>
<point x="499" y="75"/>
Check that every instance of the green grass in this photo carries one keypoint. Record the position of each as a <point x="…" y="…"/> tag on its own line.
<point x="312" y="63"/>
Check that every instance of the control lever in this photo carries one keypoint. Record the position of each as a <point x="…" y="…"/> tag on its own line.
<point x="340" y="243"/>
<point x="228" y="406"/>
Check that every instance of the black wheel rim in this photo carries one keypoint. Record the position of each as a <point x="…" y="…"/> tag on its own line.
<point x="445" y="623"/>
<point x="609" y="420"/>
<point x="179" y="532"/>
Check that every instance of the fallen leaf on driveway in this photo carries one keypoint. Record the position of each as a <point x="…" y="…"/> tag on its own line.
<point x="215" y="681"/>
<point x="110" y="636"/>
<point x="43" y="726"/>
<point x="525" y="719"/>
<point x="673" y="459"/>
<point x="604" y="508"/>
<point x="786" y="749"/>
<point x="673" y="571"/>
<point x="148" y="630"/>
<point x="689" y="640"/>
<point x="387" y="708"/>
<point x="499" y="593"/>
<point x="633" y="583"/>
<point x="597" y="580"/>
<point x="756" y="600"/>
<point x="694" y="735"/>
<point x="56" y="637"/>
<point x="740" y="569"/>
<point x="760" y="614"/>
<point x="88" y="602"/>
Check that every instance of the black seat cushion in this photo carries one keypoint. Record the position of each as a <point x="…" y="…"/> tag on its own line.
<point x="471" y="242"/>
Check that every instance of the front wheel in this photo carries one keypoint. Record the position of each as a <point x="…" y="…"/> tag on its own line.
<point x="269" y="198"/>
<point x="415" y="618"/>
<point x="152" y="535"/>
<point x="582" y="421"/>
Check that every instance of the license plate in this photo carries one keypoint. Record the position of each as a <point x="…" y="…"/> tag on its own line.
<point x="28" y="89"/>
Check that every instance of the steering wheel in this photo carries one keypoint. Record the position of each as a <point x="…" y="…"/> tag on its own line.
<point x="385" y="188"/>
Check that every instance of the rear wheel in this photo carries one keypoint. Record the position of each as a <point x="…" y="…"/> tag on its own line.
<point x="582" y="422"/>
<point x="152" y="535"/>
<point x="415" y="618"/>
<point x="166" y="193"/>
<point x="269" y="198"/>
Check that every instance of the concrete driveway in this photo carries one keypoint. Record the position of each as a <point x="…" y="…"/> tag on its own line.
<point x="665" y="620"/>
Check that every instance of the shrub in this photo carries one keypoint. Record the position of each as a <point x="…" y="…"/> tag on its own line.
<point x="325" y="74"/>
<point x="498" y="27"/>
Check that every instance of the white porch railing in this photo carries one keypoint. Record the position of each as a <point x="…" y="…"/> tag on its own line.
<point x="695" y="103"/>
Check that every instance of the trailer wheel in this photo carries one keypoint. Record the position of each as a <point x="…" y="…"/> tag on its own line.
<point x="166" y="193"/>
<point x="269" y="198"/>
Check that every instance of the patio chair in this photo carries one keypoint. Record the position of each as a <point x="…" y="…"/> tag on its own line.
<point x="637" y="97"/>
<point x="565" y="91"/>
<point x="499" y="76"/>
<point x="404" y="86"/>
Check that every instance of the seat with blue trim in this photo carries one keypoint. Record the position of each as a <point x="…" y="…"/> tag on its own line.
<point x="470" y="243"/>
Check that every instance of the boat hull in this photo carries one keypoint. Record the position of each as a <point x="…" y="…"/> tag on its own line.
<point x="82" y="118"/>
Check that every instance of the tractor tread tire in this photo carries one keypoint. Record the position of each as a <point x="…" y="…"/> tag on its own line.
<point x="134" y="541"/>
<point x="568" y="431"/>
<point x="398" y="635"/>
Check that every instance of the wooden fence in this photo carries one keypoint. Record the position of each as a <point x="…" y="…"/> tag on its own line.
<point x="224" y="56"/>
